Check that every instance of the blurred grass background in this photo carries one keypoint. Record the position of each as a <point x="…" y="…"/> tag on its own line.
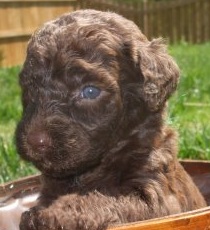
<point x="189" y="110"/>
<point x="11" y="167"/>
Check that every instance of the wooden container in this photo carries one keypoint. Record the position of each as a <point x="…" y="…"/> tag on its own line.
<point x="17" y="196"/>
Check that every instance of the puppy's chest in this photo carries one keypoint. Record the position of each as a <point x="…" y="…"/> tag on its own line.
<point x="105" y="184"/>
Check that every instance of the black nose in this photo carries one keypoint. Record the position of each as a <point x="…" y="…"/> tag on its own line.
<point x="39" y="141"/>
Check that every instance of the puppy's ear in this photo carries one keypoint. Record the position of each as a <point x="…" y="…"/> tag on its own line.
<point x="160" y="73"/>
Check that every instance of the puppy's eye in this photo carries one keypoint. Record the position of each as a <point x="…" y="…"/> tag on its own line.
<point x="90" y="92"/>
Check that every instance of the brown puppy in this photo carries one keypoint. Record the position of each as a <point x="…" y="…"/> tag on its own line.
<point x="94" y="94"/>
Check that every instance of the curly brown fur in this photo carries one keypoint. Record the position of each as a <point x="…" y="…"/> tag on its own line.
<point x="94" y="92"/>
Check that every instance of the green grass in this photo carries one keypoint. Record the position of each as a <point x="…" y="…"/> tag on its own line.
<point x="190" y="107"/>
<point x="189" y="110"/>
<point x="11" y="167"/>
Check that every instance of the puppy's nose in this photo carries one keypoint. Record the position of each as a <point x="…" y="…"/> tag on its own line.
<point x="39" y="141"/>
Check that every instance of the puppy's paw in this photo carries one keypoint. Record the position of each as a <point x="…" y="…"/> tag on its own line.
<point x="28" y="220"/>
<point x="38" y="219"/>
<point x="60" y="219"/>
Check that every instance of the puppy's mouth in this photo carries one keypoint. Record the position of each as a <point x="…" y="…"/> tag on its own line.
<point x="63" y="168"/>
<point x="53" y="162"/>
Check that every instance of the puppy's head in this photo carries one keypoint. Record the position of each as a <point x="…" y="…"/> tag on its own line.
<point x="89" y="79"/>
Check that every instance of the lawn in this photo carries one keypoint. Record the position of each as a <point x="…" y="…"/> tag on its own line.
<point x="11" y="167"/>
<point x="190" y="107"/>
<point x="189" y="110"/>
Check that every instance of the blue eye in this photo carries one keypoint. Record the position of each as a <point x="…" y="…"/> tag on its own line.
<point x="90" y="92"/>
